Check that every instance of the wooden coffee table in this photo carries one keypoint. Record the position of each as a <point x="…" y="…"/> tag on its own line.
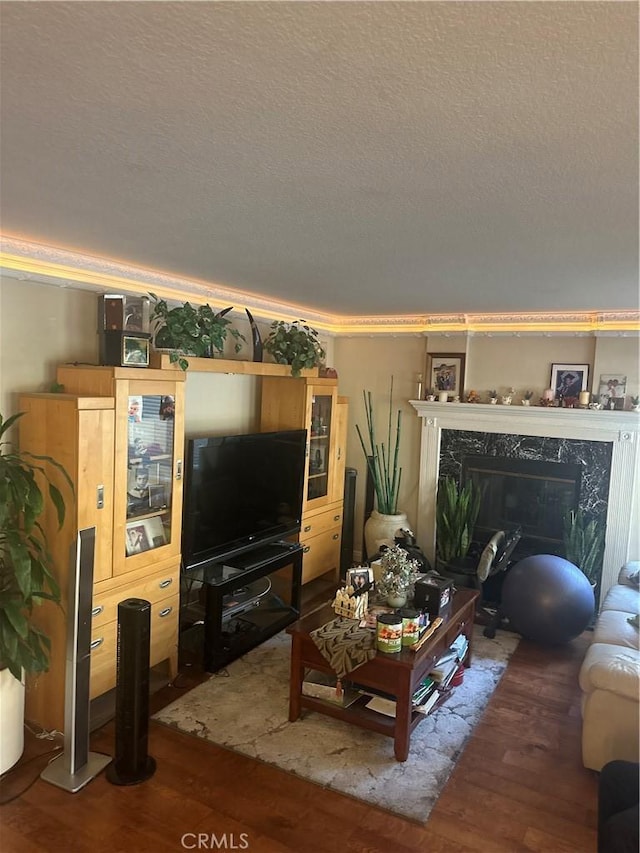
<point x="397" y="674"/>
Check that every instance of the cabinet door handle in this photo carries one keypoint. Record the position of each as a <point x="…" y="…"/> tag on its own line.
<point x="165" y="612"/>
<point x="306" y="549"/>
<point x="100" y="497"/>
<point x="97" y="610"/>
<point x="165" y="583"/>
<point x="336" y="518"/>
<point x="178" y="469"/>
<point x="96" y="643"/>
<point x="336" y="536"/>
<point x="307" y="528"/>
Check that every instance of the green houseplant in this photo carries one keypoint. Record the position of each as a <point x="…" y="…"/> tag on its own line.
<point x="386" y="474"/>
<point x="457" y="511"/>
<point x="381" y="458"/>
<point x="294" y="343"/>
<point x="584" y="543"/>
<point x="26" y="567"/>
<point x="190" y="330"/>
<point x="26" y="580"/>
<point x="398" y="573"/>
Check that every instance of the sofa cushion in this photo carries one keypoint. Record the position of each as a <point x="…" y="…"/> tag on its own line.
<point x="612" y="668"/>
<point x="613" y="627"/>
<point x="621" y="597"/>
<point x="630" y="574"/>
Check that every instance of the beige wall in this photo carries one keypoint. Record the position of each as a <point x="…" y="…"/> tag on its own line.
<point x="368" y="364"/>
<point x="523" y="363"/>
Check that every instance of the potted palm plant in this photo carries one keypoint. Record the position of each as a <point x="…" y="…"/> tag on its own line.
<point x="584" y="544"/>
<point x="26" y="580"/>
<point x="386" y="475"/>
<point x="189" y="330"/>
<point x="294" y="343"/>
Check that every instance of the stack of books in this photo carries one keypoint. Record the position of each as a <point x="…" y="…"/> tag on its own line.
<point x="446" y="666"/>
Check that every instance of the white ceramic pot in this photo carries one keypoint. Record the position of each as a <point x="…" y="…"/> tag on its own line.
<point x="11" y="720"/>
<point x="397" y="600"/>
<point x="526" y="402"/>
<point x="380" y="529"/>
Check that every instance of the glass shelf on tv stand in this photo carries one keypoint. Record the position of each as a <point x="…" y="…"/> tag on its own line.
<point x="246" y="599"/>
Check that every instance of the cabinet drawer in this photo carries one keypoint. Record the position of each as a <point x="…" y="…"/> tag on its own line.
<point x="164" y="639"/>
<point x="321" y="522"/>
<point x="152" y="589"/>
<point x="321" y="554"/>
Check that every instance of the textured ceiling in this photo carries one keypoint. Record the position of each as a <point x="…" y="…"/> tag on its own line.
<point x="360" y="158"/>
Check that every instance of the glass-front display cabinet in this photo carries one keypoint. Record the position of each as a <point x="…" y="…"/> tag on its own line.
<point x="319" y="436"/>
<point x="149" y="497"/>
<point x="150" y="471"/>
<point x="146" y="460"/>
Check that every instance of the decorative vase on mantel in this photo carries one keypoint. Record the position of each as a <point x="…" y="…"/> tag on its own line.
<point x="380" y="529"/>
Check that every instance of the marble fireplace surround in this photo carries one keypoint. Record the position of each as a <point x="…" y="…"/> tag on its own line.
<point x="621" y="429"/>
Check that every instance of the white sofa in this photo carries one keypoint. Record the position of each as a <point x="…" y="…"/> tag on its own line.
<point x="610" y="677"/>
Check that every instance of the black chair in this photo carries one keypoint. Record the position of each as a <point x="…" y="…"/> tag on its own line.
<point x="473" y="572"/>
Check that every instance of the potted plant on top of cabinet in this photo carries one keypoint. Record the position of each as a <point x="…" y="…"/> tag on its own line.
<point x="189" y="330"/>
<point x="296" y="344"/>
<point x="26" y="580"/>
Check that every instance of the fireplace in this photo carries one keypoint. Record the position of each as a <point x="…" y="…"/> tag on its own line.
<point x="603" y="447"/>
<point x="526" y="493"/>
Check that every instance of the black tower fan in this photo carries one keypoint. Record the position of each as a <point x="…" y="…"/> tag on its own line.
<point x="132" y="764"/>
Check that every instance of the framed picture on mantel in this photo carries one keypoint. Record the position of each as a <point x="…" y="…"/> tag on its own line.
<point x="445" y="372"/>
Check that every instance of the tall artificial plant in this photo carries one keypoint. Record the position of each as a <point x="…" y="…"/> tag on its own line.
<point x="382" y="458"/>
<point x="457" y="511"/>
<point x="26" y="566"/>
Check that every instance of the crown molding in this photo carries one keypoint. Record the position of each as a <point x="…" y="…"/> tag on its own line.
<point x="28" y="261"/>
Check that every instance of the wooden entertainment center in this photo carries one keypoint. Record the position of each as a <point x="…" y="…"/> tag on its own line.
<point x="109" y="425"/>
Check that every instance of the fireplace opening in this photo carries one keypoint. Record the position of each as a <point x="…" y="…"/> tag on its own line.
<point x="534" y="495"/>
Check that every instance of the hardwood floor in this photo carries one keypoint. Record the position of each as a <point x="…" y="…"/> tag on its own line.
<point x="518" y="786"/>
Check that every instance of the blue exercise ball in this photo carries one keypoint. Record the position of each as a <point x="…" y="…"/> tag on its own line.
<point x="547" y="599"/>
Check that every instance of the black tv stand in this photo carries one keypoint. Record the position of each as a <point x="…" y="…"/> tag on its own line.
<point x="230" y="606"/>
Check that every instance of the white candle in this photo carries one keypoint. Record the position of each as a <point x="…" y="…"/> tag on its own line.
<point x="549" y="394"/>
<point x="443" y="397"/>
<point x="584" y="398"/>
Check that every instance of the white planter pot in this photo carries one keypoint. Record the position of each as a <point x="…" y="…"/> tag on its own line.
<point x="381" y="529"/>
<point x="11" y="720"/>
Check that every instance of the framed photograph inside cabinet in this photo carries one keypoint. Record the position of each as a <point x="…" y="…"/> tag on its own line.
<point x="445" y="372"/>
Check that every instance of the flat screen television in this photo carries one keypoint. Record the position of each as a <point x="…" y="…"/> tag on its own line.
<point x="241" y="491"/>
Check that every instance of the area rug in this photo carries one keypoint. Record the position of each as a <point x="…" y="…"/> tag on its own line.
<point x="245" y="708"/>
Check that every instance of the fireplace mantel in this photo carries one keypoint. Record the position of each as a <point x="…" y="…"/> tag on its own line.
<point x="621" y="429"/>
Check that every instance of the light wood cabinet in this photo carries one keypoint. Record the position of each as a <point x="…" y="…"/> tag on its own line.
<point x="313" y="404"/>
<point x="91" y="430"/>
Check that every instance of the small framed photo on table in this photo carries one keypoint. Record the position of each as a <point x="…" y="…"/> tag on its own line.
<point x="445" y="372"/>
<point x="360" y="578"/>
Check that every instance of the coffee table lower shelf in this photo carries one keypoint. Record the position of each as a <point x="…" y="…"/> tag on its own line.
<point x="358" y="714"/>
